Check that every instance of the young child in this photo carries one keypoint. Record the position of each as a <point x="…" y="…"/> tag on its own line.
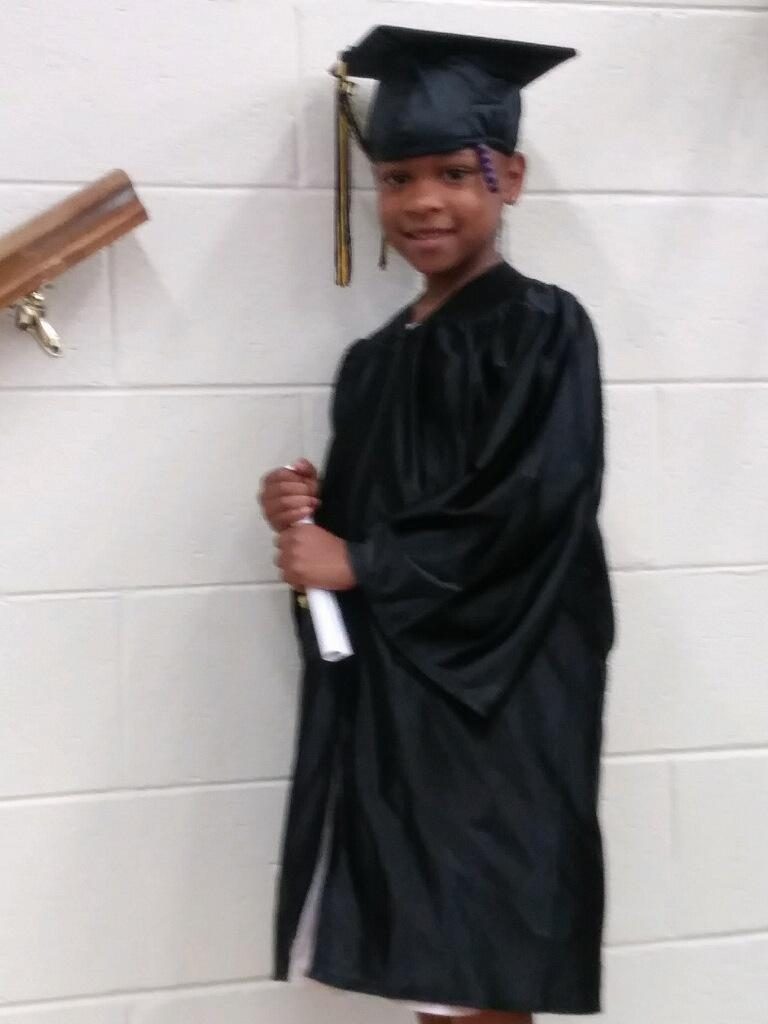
<point x="442" y="844"/>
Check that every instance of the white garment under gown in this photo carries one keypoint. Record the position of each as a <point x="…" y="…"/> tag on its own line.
<point x="304" y="941"/>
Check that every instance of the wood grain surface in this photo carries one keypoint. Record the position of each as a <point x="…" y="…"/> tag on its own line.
<point x="45" y="246"/>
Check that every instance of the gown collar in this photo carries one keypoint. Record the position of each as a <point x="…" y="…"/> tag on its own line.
<point x="497" y="284"/>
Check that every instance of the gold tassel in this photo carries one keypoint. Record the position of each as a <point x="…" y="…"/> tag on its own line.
<point x="343" y="237"/>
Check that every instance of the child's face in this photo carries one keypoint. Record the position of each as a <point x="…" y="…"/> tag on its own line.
<point x="438" y="211"/>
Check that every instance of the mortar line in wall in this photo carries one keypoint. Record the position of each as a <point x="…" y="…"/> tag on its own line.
<point x="257" y="982"/>
<point x="327" y="190"/>
<point x="616" y="5"/>
<point x="712" y="568"/>
<point x="296" y="105"/>
<point x="289" y="390"/>
<point x="641" y="194"/>
<point x="671" y="864"/>
<point x="550" y="193"/>
<point x="139" y="183"/>
<point x="121" y="682"/>
<point x="170" y="389"/>
<point x="298" y="95"/>
<point x="693" y="939"/>
<point x="669" y="757"/>
<point x="688" y="382"/>
<point x="675" y="755"/>
<point x="120" y="793"/>
<point x="115" y="994"/>
<point x="304" y="418"/>
<point x="185" y="588"/>
<point x="112" y="318"/>
<point x="658" y="397"/>
<point x="161" y="588"/>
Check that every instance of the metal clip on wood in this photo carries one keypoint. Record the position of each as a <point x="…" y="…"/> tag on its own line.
<point x="42" y="248"/>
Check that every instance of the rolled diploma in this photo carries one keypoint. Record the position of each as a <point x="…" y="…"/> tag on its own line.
<point x="332" y="637"/>
<point x="330" y="631"/>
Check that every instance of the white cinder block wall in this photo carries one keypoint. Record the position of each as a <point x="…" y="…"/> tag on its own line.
<point x="147" y="669"/>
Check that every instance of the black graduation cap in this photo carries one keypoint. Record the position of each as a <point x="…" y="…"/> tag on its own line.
<point x="438" y="92"/>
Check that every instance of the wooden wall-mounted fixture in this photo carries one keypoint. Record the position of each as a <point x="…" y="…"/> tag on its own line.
<point x="42" y="248"/>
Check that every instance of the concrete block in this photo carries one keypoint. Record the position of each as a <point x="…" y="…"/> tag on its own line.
<point x="210" y="680"/>
<point x="112" y="1012"/>
<point x="78" y="306"/>
<point x="199" y="94"/>
<point x="143" y="891"/>
<point x="60" y="691"/>
<point x="253" y="300"/>
<point x="171" y="494"/>
<point x="636" y="818"/>
<point x="688" y="670"/>
<point x="658" y="85"/>
<point x="271" y="1002"/>
<point x="675" y="284"/>
<point x="629" y="510"/>
<point x="721" y="831"/>
<point x="714" y="489"/>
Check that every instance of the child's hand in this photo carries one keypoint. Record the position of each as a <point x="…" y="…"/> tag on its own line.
<point x="289" y="495"/>
<point x="309" y="556"/>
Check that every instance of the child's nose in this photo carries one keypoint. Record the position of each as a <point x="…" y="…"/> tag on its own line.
<point x="423" y="198"/>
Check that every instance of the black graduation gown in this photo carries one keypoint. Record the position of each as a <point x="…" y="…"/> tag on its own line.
<point x="464" y="735"/>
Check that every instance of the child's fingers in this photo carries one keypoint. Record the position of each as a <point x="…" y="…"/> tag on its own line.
<point x="283" y="491"/>
<point x="304" y="468"/>
<point x="289" y="518"/>
<point x="286" y="488"/>
<point x="285" y="511"/>
<point x="302" y="471"/>
<point x="291" y="503"/>
<point x="271" y="482"/>
<point x="275" y="475"/>
<point x="288" y="502"/>
<point x="280" y="503"/>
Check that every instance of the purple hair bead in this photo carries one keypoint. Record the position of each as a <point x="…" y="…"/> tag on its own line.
<point x="486" y="167"/>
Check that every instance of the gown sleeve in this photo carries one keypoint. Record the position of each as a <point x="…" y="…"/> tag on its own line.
<point x="463" y="584"/>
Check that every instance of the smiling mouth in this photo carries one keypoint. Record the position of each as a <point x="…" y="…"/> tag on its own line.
<point x="428" y="234"/>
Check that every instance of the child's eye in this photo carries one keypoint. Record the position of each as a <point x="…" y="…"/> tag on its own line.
<point x="456" y="174"/>
<point x="394" y="179"/>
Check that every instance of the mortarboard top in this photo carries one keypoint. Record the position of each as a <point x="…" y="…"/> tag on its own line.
<point x="438" y="92"/>
<point x="517" y="62"/>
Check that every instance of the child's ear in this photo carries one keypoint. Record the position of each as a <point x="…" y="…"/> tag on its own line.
<point x="512" y="177"/>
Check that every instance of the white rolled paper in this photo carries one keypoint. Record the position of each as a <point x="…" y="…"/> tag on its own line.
<point x="332" y="637"/>
<point x="331" y="633"/>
